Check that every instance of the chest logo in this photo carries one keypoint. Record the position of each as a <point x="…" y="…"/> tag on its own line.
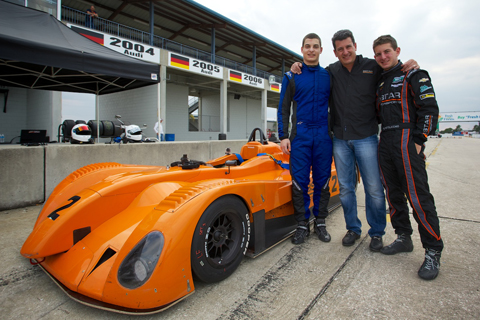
<point x="398" y="79"/>
<point x="423" y="80"/>
<point x="368" y="71"/>
<point x="427" y="95"/>
<point x="424" y="88"/>
<point x="391" y="95"/>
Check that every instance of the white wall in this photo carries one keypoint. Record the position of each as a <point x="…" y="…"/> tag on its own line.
<point x="30" y="109"/>
<point x="254" y="115"/>
<point x="237" y="118"/>
<point x="44" y="111"/>
<point x="244" y="115"/>
<point x="176" y="121"/>
<point x="138" y="106"/>
<point x="39" y="109"/>
<point x="15" y="118"/>
<point x="211" y="113"/>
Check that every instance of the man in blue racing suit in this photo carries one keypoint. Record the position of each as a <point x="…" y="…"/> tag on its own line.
<point x="308" y="144"/>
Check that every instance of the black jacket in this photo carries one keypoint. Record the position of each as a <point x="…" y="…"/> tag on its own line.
<point x="407" y="101"/>
<point x="352" y="100"/>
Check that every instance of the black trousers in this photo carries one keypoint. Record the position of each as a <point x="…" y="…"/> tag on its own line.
<point x="323" y="204"/>
<point x="404" y="177"/>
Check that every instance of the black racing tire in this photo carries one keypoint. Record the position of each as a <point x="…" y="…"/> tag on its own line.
<point x="67" y="128"/>
<point x="220" y="239"/>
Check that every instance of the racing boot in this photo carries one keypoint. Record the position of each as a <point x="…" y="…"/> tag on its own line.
<point x="320" y="229"/>
<point x="431" y="266"/>
<point x="302" y="232"/>
<point x="403" y="243"/>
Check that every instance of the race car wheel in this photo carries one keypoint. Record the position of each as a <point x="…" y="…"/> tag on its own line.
<point x="220" y="239"/>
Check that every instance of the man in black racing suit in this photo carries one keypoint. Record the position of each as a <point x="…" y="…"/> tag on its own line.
<point x="408" y="112"/>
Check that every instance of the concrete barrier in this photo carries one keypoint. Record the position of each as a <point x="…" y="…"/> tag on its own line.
<point x="22" y="172"/>
<point x="29" y="174"/>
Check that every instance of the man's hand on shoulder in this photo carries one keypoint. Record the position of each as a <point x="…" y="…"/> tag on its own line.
<point x="285" y="146"/>
<point x="410" y="65"/>
<point x="296" y="68"/>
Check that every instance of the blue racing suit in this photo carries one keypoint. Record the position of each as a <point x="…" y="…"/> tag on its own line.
<point x="305" y="97"/>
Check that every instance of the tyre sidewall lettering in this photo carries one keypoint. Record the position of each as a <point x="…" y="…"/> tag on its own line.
<point x="204" y="266"/>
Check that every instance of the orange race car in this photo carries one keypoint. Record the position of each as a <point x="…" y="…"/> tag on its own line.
<point x="132" y="239"/>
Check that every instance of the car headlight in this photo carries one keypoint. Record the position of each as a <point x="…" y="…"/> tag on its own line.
<point x="138" y="265"/>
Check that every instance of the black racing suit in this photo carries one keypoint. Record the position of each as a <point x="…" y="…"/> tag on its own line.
<point x="408" y="112"/>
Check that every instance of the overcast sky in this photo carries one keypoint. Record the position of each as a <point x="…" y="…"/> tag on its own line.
<point x="442" y="36"/>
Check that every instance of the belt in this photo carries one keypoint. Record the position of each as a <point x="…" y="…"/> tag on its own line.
<point x="407" y="125"/>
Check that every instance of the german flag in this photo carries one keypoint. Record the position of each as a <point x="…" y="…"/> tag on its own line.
<point x="92" y="35"/>
<point x="179" y="61"/>
<point x="235" y="76"/>
<point x="275" y="87"/>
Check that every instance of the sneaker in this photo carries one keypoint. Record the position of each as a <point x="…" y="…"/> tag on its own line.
<point x="431" y="266"/>
<point x="302" y="232"/>
<point x="403" y="243"/>
<point x="320" y="229"/>
<point x="376" y="244"/>
<point x="350" y="238"/>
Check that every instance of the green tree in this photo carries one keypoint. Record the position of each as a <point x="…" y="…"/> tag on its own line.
<point x="476" y="128"/>
<point x="448" y="130"/>
<point x="458" y="128"/>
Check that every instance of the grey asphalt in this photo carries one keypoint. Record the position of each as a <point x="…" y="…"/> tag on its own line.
<point x="311" y="281"/>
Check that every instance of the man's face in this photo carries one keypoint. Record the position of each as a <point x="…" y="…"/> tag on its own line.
<point x="345" y="51"/>
<point x="311" y="51"/>
<point x="385" y="56"/>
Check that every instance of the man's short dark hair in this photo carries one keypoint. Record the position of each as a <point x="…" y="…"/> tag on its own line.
<point x="384" y="40"/>
<point x="311" y="36"/>
<point x="342" y="35"/>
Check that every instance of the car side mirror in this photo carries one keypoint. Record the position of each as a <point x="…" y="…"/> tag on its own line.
<point x="230" y="163"/>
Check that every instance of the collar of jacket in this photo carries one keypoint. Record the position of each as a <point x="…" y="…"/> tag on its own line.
<point x="311" y="67"/>
<point x="397" y="66"/>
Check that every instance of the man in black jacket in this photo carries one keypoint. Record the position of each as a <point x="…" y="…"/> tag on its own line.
<point x="408" y="112"/>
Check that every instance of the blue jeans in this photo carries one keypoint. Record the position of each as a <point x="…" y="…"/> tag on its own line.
<point x="365" y="153"/>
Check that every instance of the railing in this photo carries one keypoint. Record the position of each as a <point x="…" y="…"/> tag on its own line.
<point x="80" y="18"/>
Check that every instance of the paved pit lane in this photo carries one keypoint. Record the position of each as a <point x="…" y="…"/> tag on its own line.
<point x="315" y="280"/>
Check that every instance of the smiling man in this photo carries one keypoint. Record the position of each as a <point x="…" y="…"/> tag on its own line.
<point x="355" y="141"/>
<point x="408" y="112"/>
<point x="305" y="98"/>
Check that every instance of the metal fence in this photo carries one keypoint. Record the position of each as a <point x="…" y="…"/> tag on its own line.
<point x="80" y="18"/>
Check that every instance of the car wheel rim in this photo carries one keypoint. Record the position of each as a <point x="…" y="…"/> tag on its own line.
<point x="222" y="239"/>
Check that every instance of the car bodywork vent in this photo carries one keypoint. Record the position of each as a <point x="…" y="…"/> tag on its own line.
<point x="106" y="255"/>
<point x="79" y="234"/>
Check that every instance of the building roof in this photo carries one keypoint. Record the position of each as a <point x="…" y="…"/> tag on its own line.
<point x="189" y="23"/>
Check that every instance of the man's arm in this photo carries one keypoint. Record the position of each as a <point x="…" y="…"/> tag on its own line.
<point x="427" y="107"/>
<point x="283" y="113"/>
<point x="92" y="13"/>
